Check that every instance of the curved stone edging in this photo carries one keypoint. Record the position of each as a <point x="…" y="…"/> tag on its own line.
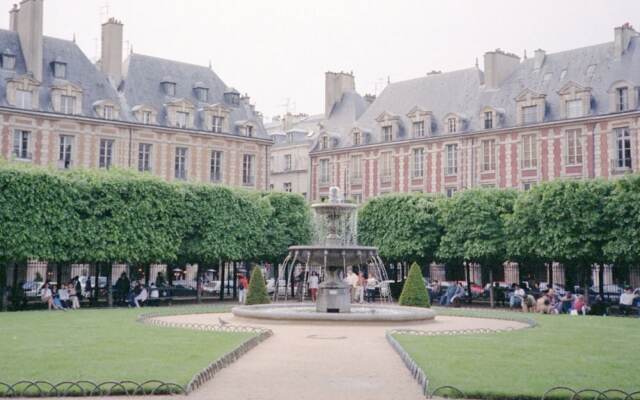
<point x="212" y="369"/>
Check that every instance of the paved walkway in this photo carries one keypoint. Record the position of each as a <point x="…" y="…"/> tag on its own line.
<point x="305" y="361"/>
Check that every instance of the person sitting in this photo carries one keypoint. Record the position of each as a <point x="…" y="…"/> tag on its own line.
<point x="46" y="295"/>
<point x="57" y="304"/>
<point x="434" y="290"/>
<point x="528" y="303"/>
<point x="445" y="299"/>
<point x="73" y="296"/>
<point x="626" y="301"/>
<point x="566" y="302"/>
<point x="456" y="299"/>
<point x="63" y="295"/>
<point x="141" y="297"/>
<point x="543" y="304"/>
<point x="517" y="295"/>
<point x="133" y="293"/>
<point x="579" y="306"/>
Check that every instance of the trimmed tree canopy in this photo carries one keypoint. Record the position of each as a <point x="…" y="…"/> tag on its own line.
<point x="414" y="292"/>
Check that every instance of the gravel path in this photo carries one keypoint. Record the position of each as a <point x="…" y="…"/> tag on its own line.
<point x="305" y="361"/>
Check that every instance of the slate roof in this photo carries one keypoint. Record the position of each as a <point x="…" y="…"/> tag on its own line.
<point x="463" y="91"/>
<point x="141" y="85"/>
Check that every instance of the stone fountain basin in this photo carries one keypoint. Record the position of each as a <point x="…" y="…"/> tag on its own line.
<point x="335" y="256"/>
<point x="359" y="313"/>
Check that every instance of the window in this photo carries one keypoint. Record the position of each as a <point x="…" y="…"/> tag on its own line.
<point x="528" y="185"/>
<point x="529" y="151"/>
<point x="106" y="153"/>
<point x="67" y="104"/>
<point x="357" y="138"/>
<point x="290" y="137"/>
<point x="574" y="108"/>
<point x="146" y="117"/>
<point x="216" y="123"/>
<point x="574" y="147"/>
<point x="216" y="166"/>
<point x="287" y="187"/>
<point x="60" y="70"/>
<point x="144" y="157"/>
<point x="622" y="99"/>
<point x="21" y="144"/>
<point x="109" y="112"/>
<point x="248" y="131"/>
<point x="488" y="119"/>
<point x="66" y="147"/>
<point x="182" y="118"/>
<point x="324" y="171"/>
<point x="418" y="129"/>
<point x="385" y="165"/>
<point x="418" y="163"/>
<point x="387" y="133"/>
<point x="623" y="148"/>
<point x="181" y="163"/>
<point x="287" y="162"/>
<point x="451" y="163"/>
<point x="8" y="61"/>
<point x="356" y="167"/>
<point x="23" y="99"/>
<point x="451" y="125"/>
<point x="324" y="142"/>
<point x="529" y="114"/>
<point x="248" y="177"/>
<point x="488" y="155"/>
<point x="451" y="191"/>
<point x="202" y="94"/>
<point x="357" y="198"/>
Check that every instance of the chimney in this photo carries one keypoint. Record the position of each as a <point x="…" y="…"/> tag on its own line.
<point x="335" y="85"/>
<point x="13" y="18"/>
<point x="498" y="65"/>
<point x="111" y="52"/>
<point x="622" y="37"/>
<point x="28" y="23"/>
<point x="538" y="58"/>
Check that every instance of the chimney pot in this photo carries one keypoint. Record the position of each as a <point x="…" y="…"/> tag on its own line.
<point x="111" y="51"/>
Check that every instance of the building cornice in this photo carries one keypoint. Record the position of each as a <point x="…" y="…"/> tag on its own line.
<point x="131" y="125"/>
<point x="474" y="134"/>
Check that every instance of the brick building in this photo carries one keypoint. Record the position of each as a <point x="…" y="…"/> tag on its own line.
<point x="175" y="120"/>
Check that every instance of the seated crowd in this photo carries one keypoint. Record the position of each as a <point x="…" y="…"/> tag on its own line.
<point x="65" y="297"/>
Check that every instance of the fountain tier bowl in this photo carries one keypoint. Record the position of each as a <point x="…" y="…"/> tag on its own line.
<point x="335" y="256"/>
<point x="359" y="313"/>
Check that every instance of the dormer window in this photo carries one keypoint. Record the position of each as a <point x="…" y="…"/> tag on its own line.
<point x="202" y="93"/>
<point x="182" y="118"/>
<point x="248" y="131"/>
<point x="67" y="104"/>
<point x="575" y="100"/>
<point x="146" y="117"/>
<point x="8" y="60"/>
<point x="59" y="70"/>
<point x="109" y="112"/>
<point x="290" y="137"/>
<point x="488" y="120"/>
<point x="217" y="122"/>
<point x="169" y="87"/>
<point x="357" y="138"/>
<point x="418" y="129"/>
<point x="232" y="97"/>
<point x="420" y="122"/>
<point x="324" y="142"/>
<point x="529" y="114"/>
<point x="23" y="99"/>
<point x="530" y="107"/>
<point x="574" y="108"/>
<point x="622" y="99"/>
<point x="452" y="125"/>
<point x="387" y="133"/>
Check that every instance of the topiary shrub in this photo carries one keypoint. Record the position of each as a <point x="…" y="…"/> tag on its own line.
<point x="257" y="293"/>
<point x="414" y="292"/>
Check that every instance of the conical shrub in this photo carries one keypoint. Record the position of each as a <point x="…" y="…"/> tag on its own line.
<point x="414" y="293"/>
<point x="257" y="293"/>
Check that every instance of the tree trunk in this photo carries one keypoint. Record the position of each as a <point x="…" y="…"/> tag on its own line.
<point x="601" y="281"/>
<point x="198" y="284"/>
<point x="550" y="266"/>
<point x="468" y="271"/>
<point x="109" y="269"/>
<point x="235" y="280"/>
<point x="585" y="284"/>
<point x="3" y="287"/>
<point x="96" y="289"/>
<point x="492" y="300"/>
<point x="221" y="277"/>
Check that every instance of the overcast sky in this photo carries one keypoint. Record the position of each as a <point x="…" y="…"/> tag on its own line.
<point x="278" y="51"/>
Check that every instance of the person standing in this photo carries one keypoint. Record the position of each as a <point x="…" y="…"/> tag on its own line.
<point x="372" y="282"/>
<point x="243" y="285"/>
<point x="314" y="283"/>
<point x="123" y="285"/>
<point x="361" y="283"/>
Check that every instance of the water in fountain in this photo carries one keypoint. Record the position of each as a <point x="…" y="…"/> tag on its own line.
<point x="334" y="252"/>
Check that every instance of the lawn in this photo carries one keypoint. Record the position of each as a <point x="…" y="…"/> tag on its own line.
<point x="104" y="345"/>
<point x="577" y="352"/>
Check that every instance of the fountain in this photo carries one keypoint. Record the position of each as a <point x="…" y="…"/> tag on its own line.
<point x="334" y="252"/>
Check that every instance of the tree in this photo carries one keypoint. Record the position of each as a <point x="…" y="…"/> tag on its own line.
<point x="414" y="293"/>
<point x="257" y="292"/>
<point x="402" y="226"/>
<point x="474" y="227"/>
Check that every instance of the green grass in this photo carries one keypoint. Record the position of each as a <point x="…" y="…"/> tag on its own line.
<point x="578" y="352"/>
<point x="107" y="344"/>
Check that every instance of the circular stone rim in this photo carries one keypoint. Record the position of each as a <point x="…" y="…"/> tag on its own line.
<point x="408" y="314"/>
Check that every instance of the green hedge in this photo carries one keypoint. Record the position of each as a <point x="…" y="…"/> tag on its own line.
<point x="414" y="292"/>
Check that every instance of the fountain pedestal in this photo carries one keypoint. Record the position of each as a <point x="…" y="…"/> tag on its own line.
<point x="334" y="296"/>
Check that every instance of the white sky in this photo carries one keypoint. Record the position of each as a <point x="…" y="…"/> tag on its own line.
<point x="279" y="49"/>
